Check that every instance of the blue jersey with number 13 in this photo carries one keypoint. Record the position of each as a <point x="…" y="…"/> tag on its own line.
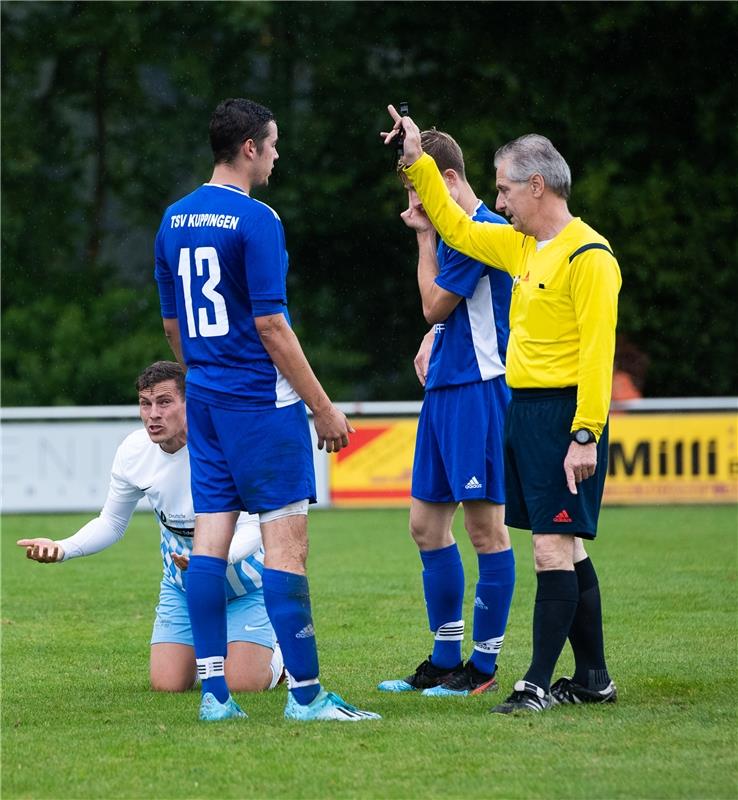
<point x="221" y="260"/>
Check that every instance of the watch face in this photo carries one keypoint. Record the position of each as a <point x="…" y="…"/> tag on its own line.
<point x="583" y="437"/>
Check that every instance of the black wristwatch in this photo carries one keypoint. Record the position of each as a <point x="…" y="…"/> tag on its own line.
<point x="583" y="436"/>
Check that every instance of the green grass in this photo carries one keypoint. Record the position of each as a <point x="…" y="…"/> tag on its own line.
<point x="79" y="720"/>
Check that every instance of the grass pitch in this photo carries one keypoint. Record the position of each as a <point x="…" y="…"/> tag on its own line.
<point x="80" y="722"/>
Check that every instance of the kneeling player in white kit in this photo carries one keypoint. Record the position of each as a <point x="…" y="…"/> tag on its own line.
<point x="155" y="463"/>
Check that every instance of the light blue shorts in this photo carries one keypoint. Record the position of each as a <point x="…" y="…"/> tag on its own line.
<point x="247" y="619"/>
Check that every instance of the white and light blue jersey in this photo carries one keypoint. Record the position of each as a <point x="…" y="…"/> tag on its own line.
<point x="142" y="469"/>
<point x="471" y="345"/>
<point x="221" y="260"/>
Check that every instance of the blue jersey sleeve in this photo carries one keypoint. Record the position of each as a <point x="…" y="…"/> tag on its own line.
<point x="164" y="280"/>
<point x="266" y="262"/>
<point x="458" y="273"/>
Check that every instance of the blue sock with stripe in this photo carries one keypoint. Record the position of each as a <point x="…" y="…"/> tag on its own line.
<point x="206" y="603"/>
<point x="443" y="584"/>
<point x="287" y="600"/>
<point x="492" y="607"/>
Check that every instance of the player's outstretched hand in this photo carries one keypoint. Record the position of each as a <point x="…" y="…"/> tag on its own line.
<point x="181" y="561"/>
<point x="422" y="358"/>
<point x="45" y="551"/>
<point x="580" y="463"/>
<point x="411" y="147"/>
<point x="332" y="429"/>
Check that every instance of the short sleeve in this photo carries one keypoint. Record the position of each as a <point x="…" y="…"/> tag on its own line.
<point x="459" y="274"/>
<point x="164" y="279"/>
<point x="265" y="257"/>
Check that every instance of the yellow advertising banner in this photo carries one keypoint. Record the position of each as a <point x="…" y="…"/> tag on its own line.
<point x="672" y="458"/>
<point x="654" y="459"/>
<point x="376" y="468"/>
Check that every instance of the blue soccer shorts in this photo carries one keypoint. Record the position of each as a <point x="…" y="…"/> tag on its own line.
<point x="536" y="442"/>
<point x="246" y="615"/>
<point x="458" y="449"/>
<point x="249" y="459"/>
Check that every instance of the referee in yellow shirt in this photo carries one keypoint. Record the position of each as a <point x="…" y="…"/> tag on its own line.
<point x="559" y="366"/>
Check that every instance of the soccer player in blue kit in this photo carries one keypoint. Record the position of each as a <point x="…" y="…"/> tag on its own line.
<point x="459" y="450"/>
<point x="221" y="266"/>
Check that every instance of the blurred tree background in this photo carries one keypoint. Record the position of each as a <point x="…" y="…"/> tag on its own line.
<point x="105" y="108"/>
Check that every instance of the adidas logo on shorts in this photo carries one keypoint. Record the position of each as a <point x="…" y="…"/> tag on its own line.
<point x="473" y="483"/>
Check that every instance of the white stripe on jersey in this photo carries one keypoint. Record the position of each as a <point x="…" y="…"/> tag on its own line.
<point x="234" y="582"/>
<point x="286" y="395"/>
<point x="484" y="331"/>
<point x="249" y="571"/>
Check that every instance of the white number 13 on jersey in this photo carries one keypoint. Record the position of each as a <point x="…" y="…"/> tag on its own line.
<point x="209" y="256"/>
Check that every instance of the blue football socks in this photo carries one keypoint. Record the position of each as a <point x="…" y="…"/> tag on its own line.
<point x="206" y="602"/>
<point x="443" y="583"/>
<point x="287" y="600"/>
<point x="492" y="607"/>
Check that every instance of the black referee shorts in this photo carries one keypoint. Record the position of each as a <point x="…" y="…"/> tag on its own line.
<point x="536" y="441"/>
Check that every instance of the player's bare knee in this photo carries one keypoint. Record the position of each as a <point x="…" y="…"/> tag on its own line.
<point x="427" y="538"/>
<point x="284" y="531"/>
<point x="171" y="683"/>
<point x="252" y="682"/>
<point x="580" y="554"/>
<point x="418" y="534"/>
<point x="553" y="552"/>
<point x="489" y="538"/>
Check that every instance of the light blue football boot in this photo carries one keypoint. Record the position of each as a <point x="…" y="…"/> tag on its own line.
<point x="326" y="706"/>
<point x="426" y="676"/>
<point x="213" y="711"/>
<point x="465" y="681"/>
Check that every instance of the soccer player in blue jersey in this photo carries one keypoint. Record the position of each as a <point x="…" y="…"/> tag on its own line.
<point x="458" y="452"/>
<point x="221" y="267"/>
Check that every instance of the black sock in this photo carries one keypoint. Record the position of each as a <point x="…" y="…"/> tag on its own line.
<point x="556" y="604"/>
<point x="585" y="634"/>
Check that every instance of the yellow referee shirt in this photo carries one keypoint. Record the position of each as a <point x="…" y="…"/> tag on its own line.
<point x="564" y="300"/>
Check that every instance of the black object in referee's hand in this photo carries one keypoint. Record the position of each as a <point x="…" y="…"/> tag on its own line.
<point x="401" y="134"/>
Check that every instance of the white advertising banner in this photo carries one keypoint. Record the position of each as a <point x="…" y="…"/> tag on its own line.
<point x="63" y="464"/>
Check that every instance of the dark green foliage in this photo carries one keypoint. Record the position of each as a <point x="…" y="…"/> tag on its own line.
<point x="104" y="122"/>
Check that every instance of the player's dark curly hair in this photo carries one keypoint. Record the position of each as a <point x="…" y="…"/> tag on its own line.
<point x="233" y="122"/>
<point x="159" y="372"/>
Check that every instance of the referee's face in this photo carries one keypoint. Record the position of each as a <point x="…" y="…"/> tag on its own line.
<point x="514" y="199"/>
<point x="162" y="410"/>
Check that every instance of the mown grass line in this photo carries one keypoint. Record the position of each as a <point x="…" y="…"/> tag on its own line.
<point x="80" y="722"/>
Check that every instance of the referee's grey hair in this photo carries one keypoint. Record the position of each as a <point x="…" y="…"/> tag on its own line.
<point x="532" y="154"/>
